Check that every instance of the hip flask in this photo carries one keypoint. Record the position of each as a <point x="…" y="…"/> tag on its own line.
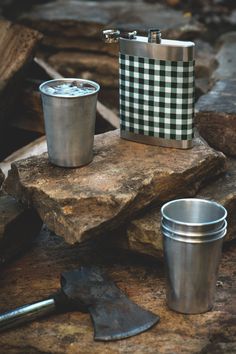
<point x="156" y="88"/>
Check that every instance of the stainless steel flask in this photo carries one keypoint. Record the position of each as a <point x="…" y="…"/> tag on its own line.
<point x="156" y="88"/>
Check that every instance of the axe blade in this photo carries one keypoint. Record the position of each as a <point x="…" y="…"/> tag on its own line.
<point x="120" y="319"/>
<point x="113" y="314"/>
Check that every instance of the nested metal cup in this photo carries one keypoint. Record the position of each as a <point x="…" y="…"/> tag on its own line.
<point x="69" y="123"/>
<point x="193" y="231"/>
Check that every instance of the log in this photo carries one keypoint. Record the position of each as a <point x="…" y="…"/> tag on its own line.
<point x="35" y="276"/>
<point x="17" y="44"/>
<point x="123" y="178"/>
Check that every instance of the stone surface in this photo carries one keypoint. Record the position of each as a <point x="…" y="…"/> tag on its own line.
<point x="36" y="276"/>
<point x="76" y="19"/>
<point x="216" y="116"/>
<point x="73" y="30"/>
<point x="123" y="178"/>
<point x="144" y="236"/>
<point x="106" y="68"/>
<point x="224" y="192"/>
<point x="18" y="227"/>
<point x="98" y="67"/>
<point x="205" y="61"/>
<point x="81" y="44"/>
<point x="226" y="57"/>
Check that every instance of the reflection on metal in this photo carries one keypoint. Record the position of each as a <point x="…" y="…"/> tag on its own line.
<point x="145" y="139"/>
<point x="26" y="313"/>
<point x="166" y="50"/>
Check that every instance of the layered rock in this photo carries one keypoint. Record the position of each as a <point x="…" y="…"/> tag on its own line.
<point x="73" y="31"/>
<point x="205" y="63"/>
<point x="226" y="68"/>
<point x="75" y="19"/>
<point x="123" y="178"/>
<point x="216" y="116"/>
<point x="97" y="66"/>
<point x="143" y="234"/>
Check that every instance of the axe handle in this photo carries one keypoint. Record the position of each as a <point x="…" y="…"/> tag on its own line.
<point x="26" y="313"/>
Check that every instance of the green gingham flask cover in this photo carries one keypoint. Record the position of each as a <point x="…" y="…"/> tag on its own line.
<point x="157" y="97"/>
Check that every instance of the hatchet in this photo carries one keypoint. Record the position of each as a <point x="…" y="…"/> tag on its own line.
<point x="88" y="289"/>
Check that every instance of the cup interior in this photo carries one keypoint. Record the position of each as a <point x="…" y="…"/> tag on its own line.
<point x="193" y="212"/>
<point x="69" y="87"/>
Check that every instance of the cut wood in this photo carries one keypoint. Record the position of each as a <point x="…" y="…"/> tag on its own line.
<point x="104" y="112"/>
<point x="17" y="44"/>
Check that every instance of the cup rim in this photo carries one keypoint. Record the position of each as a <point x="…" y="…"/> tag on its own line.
<point x="194" y="234"/>
<point x="192" y="223"/>
<point x="92" y="83"/>
<point x="199" y="240"/>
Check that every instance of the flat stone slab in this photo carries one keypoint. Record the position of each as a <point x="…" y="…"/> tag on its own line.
<point x="35" y="276"/>
<point x="103" y="68"/>
<point x="216" y="116"/>
<point x="144" y="236"/>
<point x="76" y="19"/>
<point x="226" y="57"/>
<point x="123" y="178"/>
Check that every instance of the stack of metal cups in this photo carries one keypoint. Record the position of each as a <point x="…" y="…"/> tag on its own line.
<point x="193" y="232"/>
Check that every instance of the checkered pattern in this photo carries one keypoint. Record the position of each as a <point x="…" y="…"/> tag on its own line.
<point x="157" y="97"/>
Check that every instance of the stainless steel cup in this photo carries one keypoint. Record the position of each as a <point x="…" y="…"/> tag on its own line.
<point x="69" y="123"/>
<point x="193" y="231"/>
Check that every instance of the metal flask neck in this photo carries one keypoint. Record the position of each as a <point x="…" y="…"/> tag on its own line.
<point x="114" y="35"/>
<point x="154" y="36"/>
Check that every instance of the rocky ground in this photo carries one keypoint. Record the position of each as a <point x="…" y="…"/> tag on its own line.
<point x="35" y="276"/>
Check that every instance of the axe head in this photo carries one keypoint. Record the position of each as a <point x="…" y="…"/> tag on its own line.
<point x="114" y="315"/>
